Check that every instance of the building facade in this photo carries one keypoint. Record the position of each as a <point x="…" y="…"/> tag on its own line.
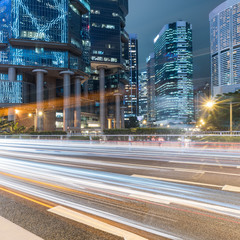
<point x="143" y="95"/>
<point x="173" y="74"/>
<point x="151" y="115"/>
<point x="40" y="42"/>
<point x="131" y="89"/>
<point x="225" y="47"/>
<point x="109" y="59"/>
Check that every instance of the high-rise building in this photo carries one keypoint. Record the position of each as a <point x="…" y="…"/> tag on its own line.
<point x="131" y="89"/>
<point x="173" y="74"/>
<point x="151" y="118"/>
<point x="143" y="95"/>
<point x="43" y="42"/>
<point x="109" y="58"/>
<point x="225" y="47"/>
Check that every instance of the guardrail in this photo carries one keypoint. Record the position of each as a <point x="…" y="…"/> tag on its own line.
<point x="200" y="141"/>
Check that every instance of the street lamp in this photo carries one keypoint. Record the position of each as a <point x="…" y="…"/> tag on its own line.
<point x="210" y="104"/>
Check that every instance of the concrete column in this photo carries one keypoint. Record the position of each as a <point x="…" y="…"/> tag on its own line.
<point x="12" y="76"/>
<point x="39" y="98"/>
<point x="77" y="119"/>
<point x="102" y="97"/>
<point x="66" y="99"/>
<point x="122" y="118"/>
<point x="50" y="114"/>
<point x="85" y="88"/>
<point x="117" y="96"/>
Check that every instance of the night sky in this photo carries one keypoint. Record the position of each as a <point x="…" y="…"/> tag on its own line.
<point x="147" y="17"/>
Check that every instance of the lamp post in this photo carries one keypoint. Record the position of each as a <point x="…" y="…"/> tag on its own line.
<point x="210" y="104"/>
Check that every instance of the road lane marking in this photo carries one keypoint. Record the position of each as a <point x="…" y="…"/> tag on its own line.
<point x="26" y="198"/>
<point x="140" y="166"/>
<point x="177" y="181"/>
<point x="204" y="164"/>
<point x="150" y="197"/>
<point x="230" y="188"/>
<point x="10" y="231"/>
<point x="188" y="170"/>
<point x="92" y="222"/>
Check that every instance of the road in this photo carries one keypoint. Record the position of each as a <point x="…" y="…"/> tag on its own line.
<point x="71" y="190"/>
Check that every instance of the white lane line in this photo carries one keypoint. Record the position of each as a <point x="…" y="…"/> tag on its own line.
<point x="151" y="197"/>
<point x="204" y="163"/>
<point x="10" y="231"/>
<point x="188" y="170"/>
<point x="230" y="188"/>
<point x="209" y="207"/>
<point x="178" y="181"/>
<point x="92" y="222"/>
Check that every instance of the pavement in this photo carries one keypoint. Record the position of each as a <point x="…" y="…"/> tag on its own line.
<point x="70" y="190"/>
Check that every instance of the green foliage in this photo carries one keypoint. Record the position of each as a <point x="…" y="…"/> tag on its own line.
<point x="143" y="131"/>
<point x="48" y="133"/>
<point x="132" y="123"/>
<point x="219" y="118"/>
<point x="10" y="127"/>
<point x="15" y="129"/>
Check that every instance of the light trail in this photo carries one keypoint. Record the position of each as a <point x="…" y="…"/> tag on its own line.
<point x="65" y="180"/>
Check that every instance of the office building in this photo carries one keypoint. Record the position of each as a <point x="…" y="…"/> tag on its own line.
<point x="42" y="42"/>
<point x="151" y="115"/>
<point x="109" y="59"/>
<point x="143" y="95"/>
<point x="131" y="89"/>
<point x="225" y="47"/>
<point x="173" y="74"/>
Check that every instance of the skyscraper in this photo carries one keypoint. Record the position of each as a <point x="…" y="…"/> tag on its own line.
<point x="151" y="115"/>
<point x="109" y="57"/>
<point x="143" y="94"/>
<point x="131" y="89"/>
<point x="225" y="47"/>
<point x="173" y="74"/>
<point x="42" y="40"/>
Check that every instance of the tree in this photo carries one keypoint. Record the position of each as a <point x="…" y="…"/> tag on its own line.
<point x="218" y="119"/>
<point x="132" y="123"/>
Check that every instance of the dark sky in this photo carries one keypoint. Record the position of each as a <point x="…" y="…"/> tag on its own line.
<point x="147" y="17"/>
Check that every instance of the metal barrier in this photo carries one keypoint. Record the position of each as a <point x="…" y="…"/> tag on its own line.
<point x="200" y="141"/>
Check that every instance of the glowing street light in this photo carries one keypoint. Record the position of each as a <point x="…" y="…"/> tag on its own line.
<point x="210" y="104"/>
<point x="30" y="115"/>
<point x="40" y="114"/>
<point x="17" y="111"/>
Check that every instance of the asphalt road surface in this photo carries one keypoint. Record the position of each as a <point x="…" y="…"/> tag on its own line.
<point x="68" y="190"/>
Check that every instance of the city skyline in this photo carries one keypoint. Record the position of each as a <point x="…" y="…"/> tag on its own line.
<point x="157" y="15"/>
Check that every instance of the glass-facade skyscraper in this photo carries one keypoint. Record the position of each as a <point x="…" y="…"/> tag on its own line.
<point x="225" y="47"/>
<point x="42" y="33"/>
<point x="143" y="94"/>
<point x="173" y="74"/>
<point x="131" y="89"/>
<point x="151" y="115"/>
<point x="109" y="58"/>
<point x="41" y="41"/>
